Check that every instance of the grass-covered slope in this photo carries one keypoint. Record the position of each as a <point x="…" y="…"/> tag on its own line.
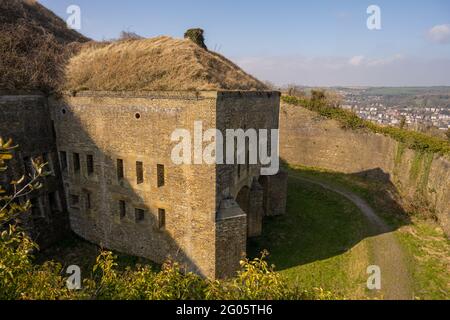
<point x="161" y="63"/>
<point x="33" y="46"/>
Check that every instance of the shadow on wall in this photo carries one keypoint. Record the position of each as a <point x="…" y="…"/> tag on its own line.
<point x="320" y="223"/>
<point x="105" y="206"/>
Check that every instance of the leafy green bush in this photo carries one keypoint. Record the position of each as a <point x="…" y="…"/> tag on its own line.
<point x="349" y="120"/>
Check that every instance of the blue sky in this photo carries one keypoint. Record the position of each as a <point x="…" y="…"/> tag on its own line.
<point x="319" y="43"/>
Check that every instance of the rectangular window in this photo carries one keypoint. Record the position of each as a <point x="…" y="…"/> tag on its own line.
<point x="63" y="160"/>
<point x="28" y="165"/>
<point x="47" y="158"/>
<point x="160" y="175"/>
<point x="36" y="210"/>
<point x="120" y="173"/>
<point x="90" y="164"/>
<point x="53" y="201"/>
<point x="87" y="199"/>
<point x="139" y="172"/>
<point x="74" y="200"/>
<point x="122" y="209"/>
<point x="139" y="215"/>
<point x="247" y="159"/>
<point x="76" y="162"/>
<point x="161" y="218"/>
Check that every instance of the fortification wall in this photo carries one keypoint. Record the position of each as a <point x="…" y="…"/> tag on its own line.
<point x="310" y="140"/>
<point x="137" y="128"/>
<point x="25" y="118"/>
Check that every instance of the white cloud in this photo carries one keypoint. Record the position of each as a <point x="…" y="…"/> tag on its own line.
<point x="356" y="61"/>
<point x="440" y="33"/>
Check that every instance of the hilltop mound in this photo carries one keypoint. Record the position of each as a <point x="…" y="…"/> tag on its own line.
<point x="33" y="46"/>
<point x="161" y="63"/>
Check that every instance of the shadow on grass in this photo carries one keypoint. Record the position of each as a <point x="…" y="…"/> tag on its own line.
<point x="319" y="223"/>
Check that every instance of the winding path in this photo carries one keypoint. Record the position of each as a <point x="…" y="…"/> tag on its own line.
<point x="386" y="251"/>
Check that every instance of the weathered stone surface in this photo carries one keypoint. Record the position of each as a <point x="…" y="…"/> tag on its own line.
<point x="308" y="139"/>
<point x="26" y="119"/>
<point x="136" y="127"/>
<point x="277" y="199"/>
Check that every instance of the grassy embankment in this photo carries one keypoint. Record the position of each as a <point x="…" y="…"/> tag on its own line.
<point x="324" y="241"/>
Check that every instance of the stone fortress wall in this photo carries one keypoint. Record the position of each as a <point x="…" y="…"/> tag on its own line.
<point x="310" y="140"/>
<point x="124" y="192"/>
<point x="24" y="118"/>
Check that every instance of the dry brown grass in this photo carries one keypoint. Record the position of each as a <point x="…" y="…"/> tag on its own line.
<point x="33" y="46"/>
<point x="161" y="63"/>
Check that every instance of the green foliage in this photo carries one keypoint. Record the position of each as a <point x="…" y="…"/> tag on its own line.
<point x="196" y="36"/>
<point x="349" y="120"/>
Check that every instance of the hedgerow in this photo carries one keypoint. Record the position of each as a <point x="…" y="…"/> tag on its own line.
<point x="349" y="120"/>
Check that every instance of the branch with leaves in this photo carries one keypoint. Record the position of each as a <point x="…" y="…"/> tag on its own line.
<point x="9" y="206"/>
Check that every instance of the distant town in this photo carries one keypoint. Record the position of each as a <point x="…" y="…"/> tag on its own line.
<point x="414" y="107"/>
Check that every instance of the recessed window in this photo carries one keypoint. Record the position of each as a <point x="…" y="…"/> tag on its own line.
<point x="137" y="115"/>
<point x="160" y="175"/>
<point x="28" y="165"/>
<point x="87" y="200"/>
<point x="74" y="200"/>
<point x="90" y="164"/>
<point x="53" y="200"/>
<point x="139" y="215"/>
<point x="122" y="209"/>
<point x="161" y="218"/>
<point x="63" y="160"/>
<point x="47" y="158"/>
<point x="63" y="111"/>
<point x="120" y="172"/>
<point x="139" y="172"/>
<point x="76" y="162"/>
<point x="36" y="208"/>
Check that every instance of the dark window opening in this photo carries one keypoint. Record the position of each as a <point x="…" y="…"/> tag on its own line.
<point x="160" y="175"/>
<point x="90" y="164"/>
<point x="76" y="162"/>
<point x="239" y="170"/>
<point x="120" y="172"/>
<point x="74" y="200"/>
<point x="139" y="172"/>
<point x="87" y="198"/>
<point x="161" y="218"/>
<point x="122" y="209"/>
<point x="28" y="164"/>
<point x="63" y="160"/>
<point x="47" y="158"/>
<point x="137" y="115"/>
<point x="247" y="159"/>
<point x="36" y="210"/>
<point x="53" y="131"/>
<point x="139" y="215"/>
<point x="53" y="201"/>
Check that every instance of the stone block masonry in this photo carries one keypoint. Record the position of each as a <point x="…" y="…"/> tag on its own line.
<point x="25" y="118"/>
<point x="124" y="192"/>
